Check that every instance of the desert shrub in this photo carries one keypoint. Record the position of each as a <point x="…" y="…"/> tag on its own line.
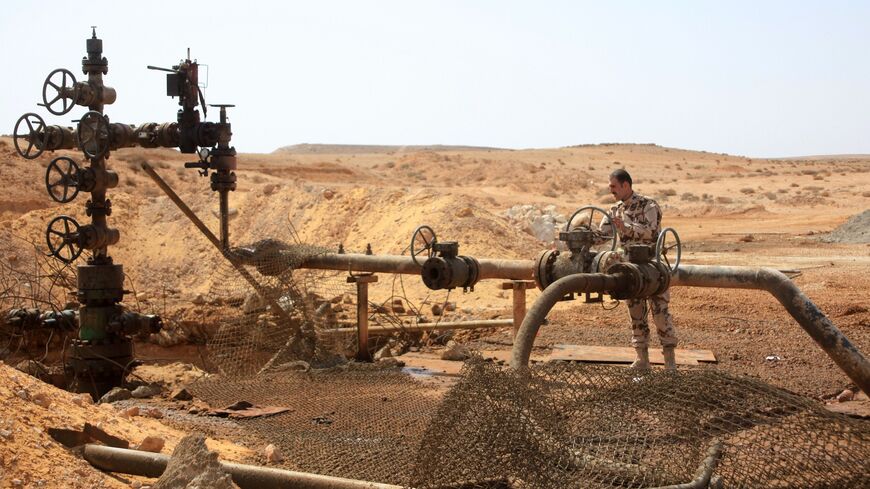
<point x="825" y="194"/>
<point x="668" y="192"/>
<point x="794" y="185"/>
<point x="747" y="190"/>
<point x="808" y="171"/>
<point x="770" y="195"/>
<point x="724" y="200"/>
<point x="390" y="164"/>
<point x="689" y="197"/>
<point x="707" y="180"/>
<point x="818" y="177"/>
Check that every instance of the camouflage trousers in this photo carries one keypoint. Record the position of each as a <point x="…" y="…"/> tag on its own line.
<point x="638" y="309"/>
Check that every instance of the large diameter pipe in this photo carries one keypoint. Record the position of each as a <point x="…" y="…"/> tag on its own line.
<point x="356" y="262"/>
<point x="149" y="464"/>
<point x="581" y="282"/>
<point x="801" y="308"/>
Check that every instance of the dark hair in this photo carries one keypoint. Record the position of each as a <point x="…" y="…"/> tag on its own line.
<point x="622" y="176"/>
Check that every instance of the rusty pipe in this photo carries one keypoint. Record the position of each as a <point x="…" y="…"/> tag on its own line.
<point x="846" y="355"/>
<point x="581" y="282"/>
<point x="489" y="268"/>
<point x="149" y="464"/>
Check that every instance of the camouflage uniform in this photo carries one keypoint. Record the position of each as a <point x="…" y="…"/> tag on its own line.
<point x="643" y="221"/>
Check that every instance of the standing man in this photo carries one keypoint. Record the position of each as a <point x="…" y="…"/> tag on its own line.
<point x="638" y="220"/>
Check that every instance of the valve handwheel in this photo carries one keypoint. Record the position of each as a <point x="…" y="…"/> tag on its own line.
<point x="93" y="134"/>
<point x="62" y="236"/>
<point x="65" y="91"/>
<point x="62" y="179"/>
<point x="662" y="249"/>
<point x="596" y="233"/>
<point x="423" y="239"/>
<point x="35" y="128"/>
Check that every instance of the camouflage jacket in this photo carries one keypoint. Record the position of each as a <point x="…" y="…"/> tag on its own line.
<point x="642" y="217"/>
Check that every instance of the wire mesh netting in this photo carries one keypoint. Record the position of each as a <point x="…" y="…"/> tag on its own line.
<point x="576" y="425"/>
<point x="270" y="312"/>
<point x="556" y="425"/>
<point x="358" y="421"/>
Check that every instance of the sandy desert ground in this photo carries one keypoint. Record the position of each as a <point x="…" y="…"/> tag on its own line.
<point x="729" y="210"/>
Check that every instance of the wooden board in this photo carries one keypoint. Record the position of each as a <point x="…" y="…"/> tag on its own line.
<point x="618" y="354"/>
<point x="432" y="362"/>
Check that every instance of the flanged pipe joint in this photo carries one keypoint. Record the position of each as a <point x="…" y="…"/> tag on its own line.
<point x="641" y="276"/>
<point x="447" y="270"/>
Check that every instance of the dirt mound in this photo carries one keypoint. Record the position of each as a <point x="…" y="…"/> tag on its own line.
<point x="855" y="230"/>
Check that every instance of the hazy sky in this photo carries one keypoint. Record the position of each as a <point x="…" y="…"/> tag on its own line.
<point x="744" y="77"/>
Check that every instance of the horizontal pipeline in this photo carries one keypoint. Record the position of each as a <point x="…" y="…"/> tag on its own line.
<point x="422" y="327"/>
<point x="356" y="262"/>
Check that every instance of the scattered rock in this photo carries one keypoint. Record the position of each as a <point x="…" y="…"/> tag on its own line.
<point x="437" y="310"/>
<point x="41" y="399"/>
<point x="450" y="306"/>
<point x="391" y="362"/>
<point x="192" y="466"/>
<point x="328" y="194"/>
<point x="153" y="413"/>
<point x="269" y="189"/>
<point x="131" y="412"/>
<point x="455" y="352"/>
<point x="180" y="394"/>
<point x="82" y="399"/>
<point x="23" y="394"/>
<point x="198" y="300"/>
<point x="383" y="353"/>
<point x="398" y="306"/>
<point x="144" y="391"/>
<point x="115" y="395"/>
<point x="273" y="454"/>
<point x="846" y="395"/>
<point x="465" y="212"/>
<point x="152" y="444"/>
<point x="5" y="434"/>
<point x="747" y="239"/>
